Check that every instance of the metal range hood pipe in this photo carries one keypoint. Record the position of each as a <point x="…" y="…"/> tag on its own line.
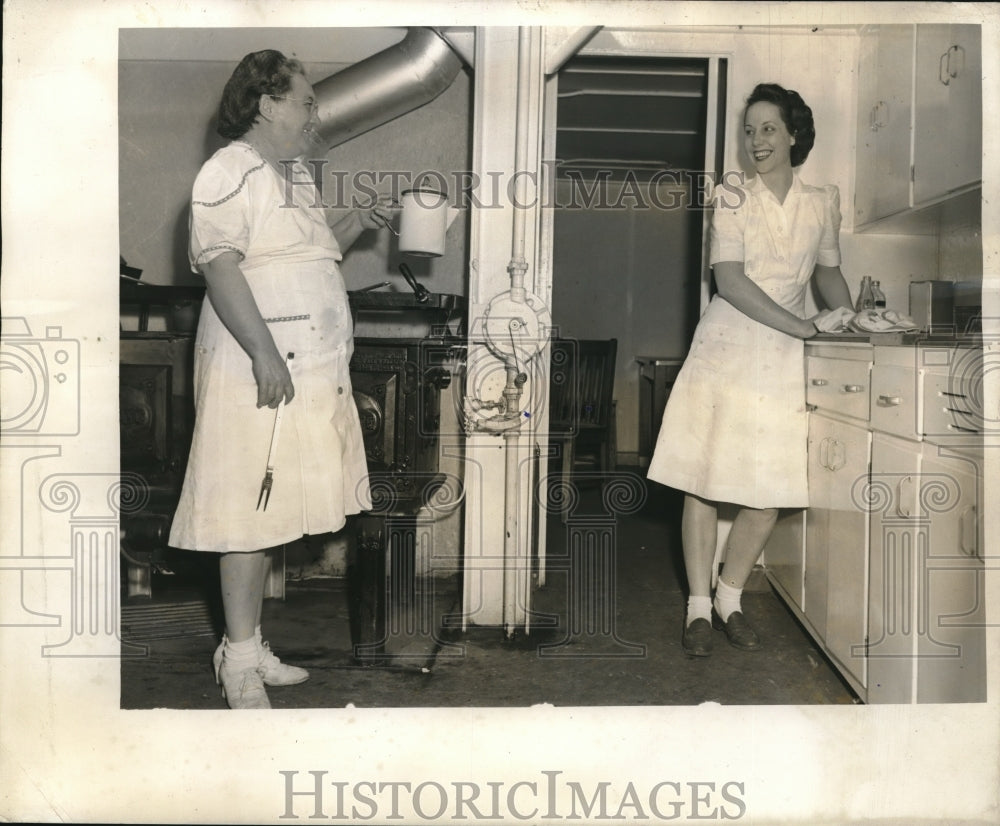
<point x="384" y="86"/>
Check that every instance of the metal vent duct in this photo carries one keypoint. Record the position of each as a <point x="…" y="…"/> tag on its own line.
<point x="384" y="86"/>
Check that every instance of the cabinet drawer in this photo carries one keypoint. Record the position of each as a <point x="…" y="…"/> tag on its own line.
<point x="895" y="392"/>
<point x="950" y="406"/>
<point x="838" y="385"/>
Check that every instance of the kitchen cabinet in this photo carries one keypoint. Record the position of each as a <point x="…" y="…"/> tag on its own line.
<point x="919" y="131"/>
<point x="947" y="110"/>
<point x="951" y="641"/>
<point x="817" y="559"/>
<point x="836" y="549"/>
<point x="926" y="614"/>
<point x="882" y="181"/>
<point x="892" y="572"/>
<point x="885" y="568"/>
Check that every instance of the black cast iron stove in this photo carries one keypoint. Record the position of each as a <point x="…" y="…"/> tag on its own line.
<point x="398" y="387"/>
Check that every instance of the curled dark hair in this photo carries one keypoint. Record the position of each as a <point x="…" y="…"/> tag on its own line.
<point x="267" y="72"/>
<point x="798" y="117"/>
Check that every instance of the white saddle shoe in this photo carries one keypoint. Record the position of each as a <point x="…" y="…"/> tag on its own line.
<point x="243" y="689"/>
<point x="275" y="672"/>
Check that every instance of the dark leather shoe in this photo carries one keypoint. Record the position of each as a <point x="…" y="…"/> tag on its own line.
<point x="738" y="631"/>
<point x="697" y="639"/>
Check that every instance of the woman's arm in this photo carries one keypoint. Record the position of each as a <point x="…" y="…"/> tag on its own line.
<point x="347" y="228"/>
<point x="832" y="286"/>
<point x="234" y="304"/>
<point x="751" y="300"/>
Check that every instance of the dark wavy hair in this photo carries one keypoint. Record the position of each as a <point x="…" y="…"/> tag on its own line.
<point x="267" y="72"/>
<point x="798" y="117"/>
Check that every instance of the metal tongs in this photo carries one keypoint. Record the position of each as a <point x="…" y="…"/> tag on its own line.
<point x="268" y="480"/>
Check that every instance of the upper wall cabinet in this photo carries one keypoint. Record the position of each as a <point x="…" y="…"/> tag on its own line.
<point x="947" y="111"/>
<point x="919" y="136"/>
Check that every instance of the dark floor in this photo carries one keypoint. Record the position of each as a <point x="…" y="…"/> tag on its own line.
<point x="580" y="651"/>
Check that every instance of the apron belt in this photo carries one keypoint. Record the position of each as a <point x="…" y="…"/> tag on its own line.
<point x="287" y="318"/>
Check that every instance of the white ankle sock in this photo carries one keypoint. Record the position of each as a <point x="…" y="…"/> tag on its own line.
<point x="699" y="608"/>
<point x="727" y="600"/>
<point x="241" y="655"/>
<point x="257" y="638"/>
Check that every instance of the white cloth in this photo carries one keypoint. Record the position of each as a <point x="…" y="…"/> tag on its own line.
<point x="289" y="258"/>
<point x="734" y="429"/>
<point x="834" y="321"/>
<point x="881" y="321"/>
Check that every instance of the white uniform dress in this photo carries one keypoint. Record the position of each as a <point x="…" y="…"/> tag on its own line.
<point x="289" y="257"/>
<point x="734" y="429"/>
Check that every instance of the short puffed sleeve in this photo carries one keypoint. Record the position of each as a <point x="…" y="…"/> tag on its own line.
<point x="828" y="254"/>
<point x="220" y="211"/>
<point x="729" y="221"/>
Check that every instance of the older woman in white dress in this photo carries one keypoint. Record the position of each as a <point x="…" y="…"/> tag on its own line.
<point x="261" y="239"/>
<point x="734" y="430"/>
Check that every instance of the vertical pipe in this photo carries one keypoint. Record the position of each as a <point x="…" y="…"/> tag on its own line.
<point x="711" y="142"/>
<point x="510" y="568"/>
<point x="517" y="268"/>
<point x="518" y="264"/>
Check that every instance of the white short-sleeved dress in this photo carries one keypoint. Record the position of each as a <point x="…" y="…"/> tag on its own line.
<point x="734" y="429"/>
<point x="289" y="257"/>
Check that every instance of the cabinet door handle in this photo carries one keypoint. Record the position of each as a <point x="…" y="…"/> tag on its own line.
<point x="946" y="72"/>
<point x="832" y="454"/>
<point x="838" y="455"/>
<point x="902" y="505"/>
<point x="853" y="388"/>
<point x="875" y="121"/>
<point x="889" y="401"/>
<point x="820" y="382"/>
<point x="968" y="533"/>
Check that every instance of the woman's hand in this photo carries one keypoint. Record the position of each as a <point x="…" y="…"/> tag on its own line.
<point x="833" y="321"/>
<point x="348" y="226"/>
<point x="274" y="381"/>
<point x="380" y="214"/>
<point x="234" y="303"/>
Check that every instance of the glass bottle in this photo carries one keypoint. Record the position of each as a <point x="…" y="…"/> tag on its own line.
<point x="879" y="296"/>
<point x="866" y="298"/>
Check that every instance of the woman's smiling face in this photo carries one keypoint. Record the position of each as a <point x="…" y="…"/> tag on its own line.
<point x="294" y="118"/>
<point x="766" y="138"/>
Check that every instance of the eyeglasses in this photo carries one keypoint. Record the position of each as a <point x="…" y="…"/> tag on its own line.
<point x="310" y="103"/>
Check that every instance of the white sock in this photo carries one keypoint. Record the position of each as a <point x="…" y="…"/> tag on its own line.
<point x="727" y="600"/>
<point x="241" y="655"/>
<point x="699" y="608"/>
<point x="257" y="637"/>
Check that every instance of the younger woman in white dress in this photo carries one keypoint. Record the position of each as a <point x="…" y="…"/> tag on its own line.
<point x="734" y="429"/>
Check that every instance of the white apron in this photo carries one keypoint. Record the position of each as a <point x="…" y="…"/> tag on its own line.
<point x="320" y="473"/>
<point x="735" y="426"/>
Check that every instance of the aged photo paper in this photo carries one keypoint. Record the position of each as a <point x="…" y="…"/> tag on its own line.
<point x="69" y="752"/>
